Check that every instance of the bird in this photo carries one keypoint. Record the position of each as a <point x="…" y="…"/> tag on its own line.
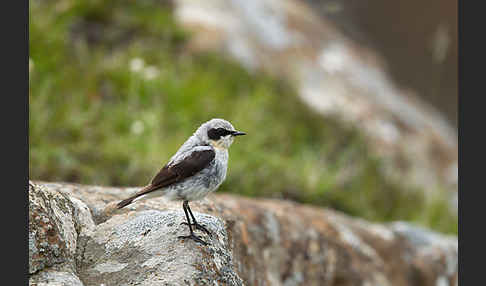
<point x="197" y="168"/>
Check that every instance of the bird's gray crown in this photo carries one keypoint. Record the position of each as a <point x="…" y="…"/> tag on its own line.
<point x="215" y="123"/>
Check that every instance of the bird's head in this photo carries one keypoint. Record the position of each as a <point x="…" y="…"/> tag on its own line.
<point x="217" y="132"/>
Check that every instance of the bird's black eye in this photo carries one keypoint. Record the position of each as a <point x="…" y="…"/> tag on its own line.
<point x="216" y="133"/>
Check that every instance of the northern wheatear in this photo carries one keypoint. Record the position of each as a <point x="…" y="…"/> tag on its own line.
<point x="196" y="169"/>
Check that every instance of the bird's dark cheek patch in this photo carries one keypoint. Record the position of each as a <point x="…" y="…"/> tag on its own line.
<point x="213" y="134"/>
<point x="216" y="133"/>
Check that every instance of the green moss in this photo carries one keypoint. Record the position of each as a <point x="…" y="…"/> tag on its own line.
<point x="94" y="120"/>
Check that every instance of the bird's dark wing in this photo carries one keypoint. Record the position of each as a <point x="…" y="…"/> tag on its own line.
<point x="187" y="167"/>
<point x="174" y="173"/>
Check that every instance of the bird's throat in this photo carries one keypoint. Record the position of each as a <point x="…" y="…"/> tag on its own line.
<point x="217" y="145"/>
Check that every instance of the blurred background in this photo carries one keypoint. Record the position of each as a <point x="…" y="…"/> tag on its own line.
<point x="350" y="105"/>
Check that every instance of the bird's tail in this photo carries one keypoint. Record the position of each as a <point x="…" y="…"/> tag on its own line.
<point x="133" y="198"/>
<point x="125" y="202"/>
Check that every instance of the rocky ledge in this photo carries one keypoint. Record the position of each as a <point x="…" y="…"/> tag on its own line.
<point x="74" y="239"/>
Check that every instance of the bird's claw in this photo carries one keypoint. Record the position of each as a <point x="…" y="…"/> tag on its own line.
<point x="199" y="226"/>
<point x="193" y="237"/>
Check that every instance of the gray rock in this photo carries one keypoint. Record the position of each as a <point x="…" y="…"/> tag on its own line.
<point x="55" y="278"/>
<point x="58" y="223"/>
<point x="142" y="248"/>
<point x="52" y="233"/>
<point x="253" y="242"/>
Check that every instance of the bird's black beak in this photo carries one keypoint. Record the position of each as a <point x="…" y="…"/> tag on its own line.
<point x="238" y="133"/>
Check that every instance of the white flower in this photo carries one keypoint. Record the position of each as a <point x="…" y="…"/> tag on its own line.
<point x="137" y="127"/>
<point x="137" y="64"/>
<point x="151" y="72"/>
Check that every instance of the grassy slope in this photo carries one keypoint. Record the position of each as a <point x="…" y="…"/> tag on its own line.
<point x="94" y="120"/>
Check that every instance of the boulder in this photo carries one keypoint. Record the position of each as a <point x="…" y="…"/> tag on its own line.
<point x="57" y="222"/>
<point x="252" y="242"/>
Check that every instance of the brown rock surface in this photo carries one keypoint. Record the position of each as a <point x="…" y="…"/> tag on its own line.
<point x="254" y="242"/>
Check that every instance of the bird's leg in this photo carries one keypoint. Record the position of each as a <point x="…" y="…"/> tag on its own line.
<point x="194" y="222"/>
<point x="192" y="236"/>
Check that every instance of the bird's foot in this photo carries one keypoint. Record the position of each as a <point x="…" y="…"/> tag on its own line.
<point x="193" y="237"/>
<point x="199" y="226"/>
